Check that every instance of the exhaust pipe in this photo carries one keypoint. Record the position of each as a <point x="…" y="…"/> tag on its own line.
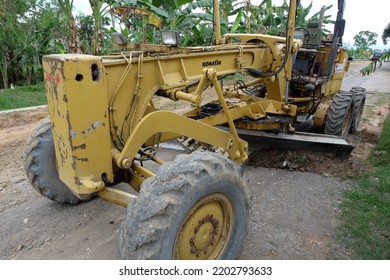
<point x="217" y="23"/>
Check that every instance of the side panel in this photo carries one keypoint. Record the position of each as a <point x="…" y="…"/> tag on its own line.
<point x="77" y="100"/>
<point x="340" y="67"/>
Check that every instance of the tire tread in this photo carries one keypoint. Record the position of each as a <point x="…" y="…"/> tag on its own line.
<point x="38" y="153"/>
<point x="162" y="197"/>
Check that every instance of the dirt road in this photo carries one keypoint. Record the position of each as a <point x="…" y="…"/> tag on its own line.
<point x="295" y="213"/>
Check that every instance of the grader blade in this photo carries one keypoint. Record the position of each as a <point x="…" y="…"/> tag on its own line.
<point x="281" y="140"/>
<point x="297" y="141"/>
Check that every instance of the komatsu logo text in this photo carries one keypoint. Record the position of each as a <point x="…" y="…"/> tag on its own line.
<point x="211" y="63"/>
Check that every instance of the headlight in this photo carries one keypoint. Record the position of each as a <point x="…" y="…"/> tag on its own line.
<point x="118" y="38"/>
<point x="170" y="38"/>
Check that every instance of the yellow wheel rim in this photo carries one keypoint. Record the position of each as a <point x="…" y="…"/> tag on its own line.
<point x="205" y="231"/>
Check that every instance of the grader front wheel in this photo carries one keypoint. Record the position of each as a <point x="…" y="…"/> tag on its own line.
<point x="195" y="207"/>
<point x="203" y="235"/>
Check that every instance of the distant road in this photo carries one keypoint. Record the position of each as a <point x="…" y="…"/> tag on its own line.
<point x="372" y="83"/>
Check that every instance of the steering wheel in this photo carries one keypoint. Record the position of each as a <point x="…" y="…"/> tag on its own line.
<point x="306" y="34"/>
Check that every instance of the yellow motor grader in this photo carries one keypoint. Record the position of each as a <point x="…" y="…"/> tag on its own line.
<point x="105" y="129"/>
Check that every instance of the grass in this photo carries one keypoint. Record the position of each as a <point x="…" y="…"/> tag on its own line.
<point x="382" y="98"/>
<point x="366" y="207"/>
<point x="23" y="96"/>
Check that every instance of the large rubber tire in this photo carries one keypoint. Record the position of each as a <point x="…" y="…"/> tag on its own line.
<point x="41" y="168"/>
<point x="339" y="115"/>
<point x="359" y="98"/>
<point x="195" y="207"/>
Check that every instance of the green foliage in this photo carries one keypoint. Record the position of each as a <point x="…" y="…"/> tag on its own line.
<point x="370" y="68"/>
<point x="381" y="153"/>
<point x="365" y="39"/>
<point x="99" y="10"/>
<point x="29" y="29"/>
<point x="386" y="56"/>
<point x="87" y="27"/>
<point x="32" y="29"/>
<point x="366" y="207"/>
<point x="174" y="15"/>
<point x="201" y="35"/>
<point x="386" y="34"/>
<point x="268" y="18"/>
<point x="236" y="16"/>
<point x="11" y="36"/>
<point x="25" y="96"/>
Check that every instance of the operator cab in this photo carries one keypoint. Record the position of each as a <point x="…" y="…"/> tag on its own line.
<point x="306" y="63"/>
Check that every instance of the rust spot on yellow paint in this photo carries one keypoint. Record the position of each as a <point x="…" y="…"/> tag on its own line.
<point x="79" y="159"/>
<point x="79" y="147"/>
<point x="93" y="127"/>
<point x="77" y="181"/>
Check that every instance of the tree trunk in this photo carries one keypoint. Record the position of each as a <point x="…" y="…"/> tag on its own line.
<point x="4" y="71"/>
<point x="74" y="44"/>
<point x="30" y="75"/>
<point x="96" y="43"/>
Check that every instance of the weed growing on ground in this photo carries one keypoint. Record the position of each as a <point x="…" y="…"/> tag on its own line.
<point x="366" y="206"/>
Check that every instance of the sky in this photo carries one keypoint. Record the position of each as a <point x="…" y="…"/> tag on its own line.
<point x="360" y="15"/>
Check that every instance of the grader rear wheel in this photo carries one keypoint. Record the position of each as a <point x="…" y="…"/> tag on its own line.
<point x="359" y="98"/>
<point x="195" y="207"/>
<point x="340" y="114"/>
<point x="41" y="168"/>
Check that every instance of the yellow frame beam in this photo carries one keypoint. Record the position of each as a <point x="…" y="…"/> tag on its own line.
<point x="161" y="121"/>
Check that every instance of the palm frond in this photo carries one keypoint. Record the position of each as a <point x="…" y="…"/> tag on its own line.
<point x="371" y="68"/>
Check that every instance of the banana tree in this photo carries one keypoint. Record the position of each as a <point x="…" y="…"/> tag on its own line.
<point x="144" y="17"/>
<point x="268" y="18"/>
<point x="100" y="9"/>
<point x="140" y="19"/>
<point x="73" y="36"/>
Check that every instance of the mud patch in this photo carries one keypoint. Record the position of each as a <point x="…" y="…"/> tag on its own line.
<point x="326" y="164"/>
<point x="18" y="118"/>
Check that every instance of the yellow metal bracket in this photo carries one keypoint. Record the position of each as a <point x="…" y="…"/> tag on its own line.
<point x="161" y="121"/>
<point x="116" y="196"/>
<point x="212" y="75"/>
